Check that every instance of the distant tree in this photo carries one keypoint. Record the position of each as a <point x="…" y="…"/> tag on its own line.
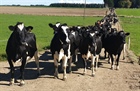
<point x="124" y="3"/>
<point x="138" y="3"/>
<point x="109" y="3"/>
<point x="76" y="5"/>
<point x="133" y="3"/>
<point x="116" y="3"/>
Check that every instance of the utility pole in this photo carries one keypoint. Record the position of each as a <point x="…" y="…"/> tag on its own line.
<point x="84" y="13"/>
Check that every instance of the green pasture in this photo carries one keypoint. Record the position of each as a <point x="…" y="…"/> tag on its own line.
<point x="128" y="12"/>
<point x="132" y="25"/>
<point x="41" y="29"/>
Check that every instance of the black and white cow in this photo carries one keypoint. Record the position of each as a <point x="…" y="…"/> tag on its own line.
<point x="76" y="38"/>
<point x="73" y="36"/>
<point x="90" y="47"/>
<point x="20" y="45"/>
<point x="60" y="49"/>
<point x="114" y="43"/>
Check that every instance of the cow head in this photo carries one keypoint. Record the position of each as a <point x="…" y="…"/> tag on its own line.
<point x="63" y="32"/>
<point x="29" y="28"/>
<point x="113" y="30"/>
<point x="19" y="32"/>
<point x="122" y="35"/>
<point x="89" y="37"/>
<point x="55" y="26"/>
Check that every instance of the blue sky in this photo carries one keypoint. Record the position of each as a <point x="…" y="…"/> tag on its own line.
<point x="45" y="2"/>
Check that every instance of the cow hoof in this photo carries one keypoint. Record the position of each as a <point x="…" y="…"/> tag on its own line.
<point x="117" y="68"/>
<point x="21" y="84"/>
<point x="84" y="74"/>
<point x="65" y="78"/>
<point x="93" y="75"/>
<point x="112" y="68"/>
<point x="95" y="69"/>
<point x="11" y="84"/>
<point x="56" y="77"/>
<point x="70" y="72"/>
<point x="123" y="58"/>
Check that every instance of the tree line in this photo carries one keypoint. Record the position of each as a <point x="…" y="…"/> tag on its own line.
<point x="76" y="5"/>
<point x="122" y="3"/>
<point x="107" y="3"/>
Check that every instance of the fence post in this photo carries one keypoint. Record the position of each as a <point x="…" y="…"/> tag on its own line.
<point x="128" y="42"/>
<point x="139" y="60"/>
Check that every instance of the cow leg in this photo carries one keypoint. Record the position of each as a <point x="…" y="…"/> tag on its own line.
<point x="92" y="65"/>
<point x="97" y="60"/>
<point x="70" y="61"/>
<point x="105" y="53"/>
<point x="109" y="60"/>
<point x="37" y="61"/>
<point x="85" y="64"/>
<point x="11" y="71"/>
<point x="22" y="68"/>
<point x="117" y="61"/>
<point x="124" y="51"/>
<point x="112" y="62"/>
<point x="64" y="67"/>
<point x="56" y="68"/>
<point x="76" y="55"/>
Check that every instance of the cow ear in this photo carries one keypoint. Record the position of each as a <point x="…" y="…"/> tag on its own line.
<point x="51" y="25"/>
<point x="65" y="24"/>
<point x="11" y="28"/>
<point x="29" y="28"/>
<point x="127" y="34"/>
<point x="98" y="34"/>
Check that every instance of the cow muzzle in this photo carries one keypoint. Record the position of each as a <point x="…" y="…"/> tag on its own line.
<point x="24" y="43"/>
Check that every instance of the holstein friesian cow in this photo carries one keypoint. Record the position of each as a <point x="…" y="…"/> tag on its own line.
<point x="20" y="45"/>
<point x="73" y="36"/>
<point x="60" y="49"/>
<point x="76" y="37"/>
<point x="90" y="47"/>
<point x="114" y="43"/>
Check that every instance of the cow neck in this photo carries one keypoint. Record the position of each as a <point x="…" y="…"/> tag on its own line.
<point x="62" y="42"/>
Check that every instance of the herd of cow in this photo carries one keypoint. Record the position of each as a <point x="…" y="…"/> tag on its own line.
<point x="66" y="43"/>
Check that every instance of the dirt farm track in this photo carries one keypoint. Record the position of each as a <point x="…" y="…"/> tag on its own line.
<point x="127" y="78"/>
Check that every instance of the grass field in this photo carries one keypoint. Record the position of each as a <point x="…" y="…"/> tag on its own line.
<point x="131" y="24"/>
<point x="40" y="23"/>
<point x="128" y="12"/>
